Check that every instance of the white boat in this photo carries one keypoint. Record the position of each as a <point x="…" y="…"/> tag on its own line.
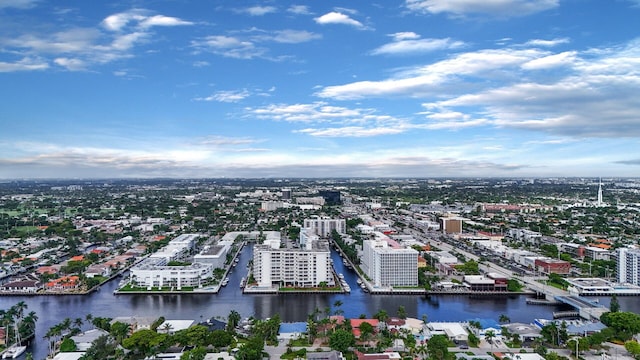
<point x="14" y="351"/>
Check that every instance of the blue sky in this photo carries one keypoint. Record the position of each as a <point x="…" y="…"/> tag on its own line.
<point x="414" y="88"/>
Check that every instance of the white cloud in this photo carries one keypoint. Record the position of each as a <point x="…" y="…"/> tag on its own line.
<point x="229" y="46"/>
<point x="227" y="96"/>
<point x="71" y="64"/>
<point x="431" y="79"/>
<point x="117" y="22"/>
<point x="227" y="141"/>
<point x="79" y="49"/>
<point x="338" y="18"/>
<point x="351" y="131"/>
<point x="201" y="63"/>
<point x="405" y="35"/>
<point x="294" y="36"/>
<point x="18" y="4"/>
<point x="246" y="46"/>
<point x="500" y="8"/>
<point x="161" y="20"/>
<point x="552" y="61"/>
<point x="299" y="9"/>
<point x="403" y="45"/>
<point x="547" y="43"/>
<point x="25" y="64"/>
<point x="259" y="10"/>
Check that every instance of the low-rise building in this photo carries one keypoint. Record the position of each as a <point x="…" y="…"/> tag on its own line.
<point x="552" y="266"/>
<point x="154" y="273"/>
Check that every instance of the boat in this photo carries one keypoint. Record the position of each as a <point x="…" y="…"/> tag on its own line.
<point x="341" y="276"/>
<point x="359" y="281"/>
<point x="242" y="282"/>
<point x="14" y="351"/>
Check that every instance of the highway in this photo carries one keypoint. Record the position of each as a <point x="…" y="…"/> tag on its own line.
<point x="530" y="282"/>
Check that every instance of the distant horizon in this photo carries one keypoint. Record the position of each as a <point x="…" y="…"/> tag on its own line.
<point x="405" y="88"/>
<point x="298" y="178"/>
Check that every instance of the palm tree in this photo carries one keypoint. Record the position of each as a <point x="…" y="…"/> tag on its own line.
<point x="233" y="320"/>
<point x="504" y="319"/>
<point x="489" y="335"/>
<point x="78" y="323"/>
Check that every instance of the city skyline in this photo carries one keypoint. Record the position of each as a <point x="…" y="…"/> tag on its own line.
<point x="414" y="88"/>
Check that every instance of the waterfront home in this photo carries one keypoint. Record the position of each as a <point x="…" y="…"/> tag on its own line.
<point x="64" y="283"/>
<point x="23" y="285"/>
<point x="97" y="270"/>
<point x="355" y="325"/>
<point x="135" y="322"/>
<point x="69" y="356"/>
<point x="292" y="330"/>
<point x="172" y="326"/>
<point x="83" y="341"/>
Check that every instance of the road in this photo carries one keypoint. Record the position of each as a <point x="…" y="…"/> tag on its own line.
<point x="529" y="281"/>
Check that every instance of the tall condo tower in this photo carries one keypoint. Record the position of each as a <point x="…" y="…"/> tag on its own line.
<point x="600" y="193"/>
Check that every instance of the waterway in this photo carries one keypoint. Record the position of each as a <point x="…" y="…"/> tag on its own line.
<point x="291" y="307"/>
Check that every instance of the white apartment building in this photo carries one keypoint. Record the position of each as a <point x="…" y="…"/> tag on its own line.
<point x="629" y="266"/>
<point x="215" y="255"/>
<point x="388" y="264"/>
<point x="324" y="226"/>
<point x="177" y="248"/>
<point x="300" y="267"/>
<point x="153" y="273"/>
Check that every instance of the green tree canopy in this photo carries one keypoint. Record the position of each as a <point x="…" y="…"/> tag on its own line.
<point x="341" y="340"/>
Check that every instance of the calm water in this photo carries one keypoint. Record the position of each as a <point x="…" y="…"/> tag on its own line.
<point x="52" y="309"/>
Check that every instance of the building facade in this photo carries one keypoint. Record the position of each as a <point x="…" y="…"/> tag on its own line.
<point x="629" y="266"/>
<point x="324" y="226"/>
<point x="388" y="265"/>
<point x="153" y="273"/>
<point x="297" y="267"/>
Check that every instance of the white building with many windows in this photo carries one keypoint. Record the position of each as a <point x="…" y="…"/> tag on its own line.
<point x="154" y="273"/>
<point x="629" y="266"/>
<point x="324" y="226"/>
<point x="388" y="264"/>
<point x="308" y="266"/>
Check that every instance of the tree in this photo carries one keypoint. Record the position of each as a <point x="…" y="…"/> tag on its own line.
<point x="402" y="312"/>
<point x="366" y="330"/>
<point x="341" y="340"/>
<point x="233" y="320"/>
<point x="633" y="348"/>
<point x="581" y="343"/>
<point x="220" y="338"/>
<point x="473" y="340"/>
<point x="68" y="345"/>
<point x="438" y="347"/>
<point x="624" y="323"/>
<point x="489" y="335"/>
<point x="252" y="349"/>
<point x="101" y="348"/>
<point x="198" y="353"/>
<point x="381" y="315"/>
<point x="503" y="319"/>
<point x="144" y="342"/>
<point x="119" y="331"/>
<point x="614" y="305"/>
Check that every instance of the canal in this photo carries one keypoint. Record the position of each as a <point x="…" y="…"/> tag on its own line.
<point x="291" y="307"/>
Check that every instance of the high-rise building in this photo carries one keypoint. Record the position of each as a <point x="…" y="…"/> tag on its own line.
<point x="451" y="225"/>
<point x="324" y="226"/>
<point x="388" y="264"/>
<point x="300" y="267"/>
<point x="286" y="194"/>
<point x="629" y="266"/>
